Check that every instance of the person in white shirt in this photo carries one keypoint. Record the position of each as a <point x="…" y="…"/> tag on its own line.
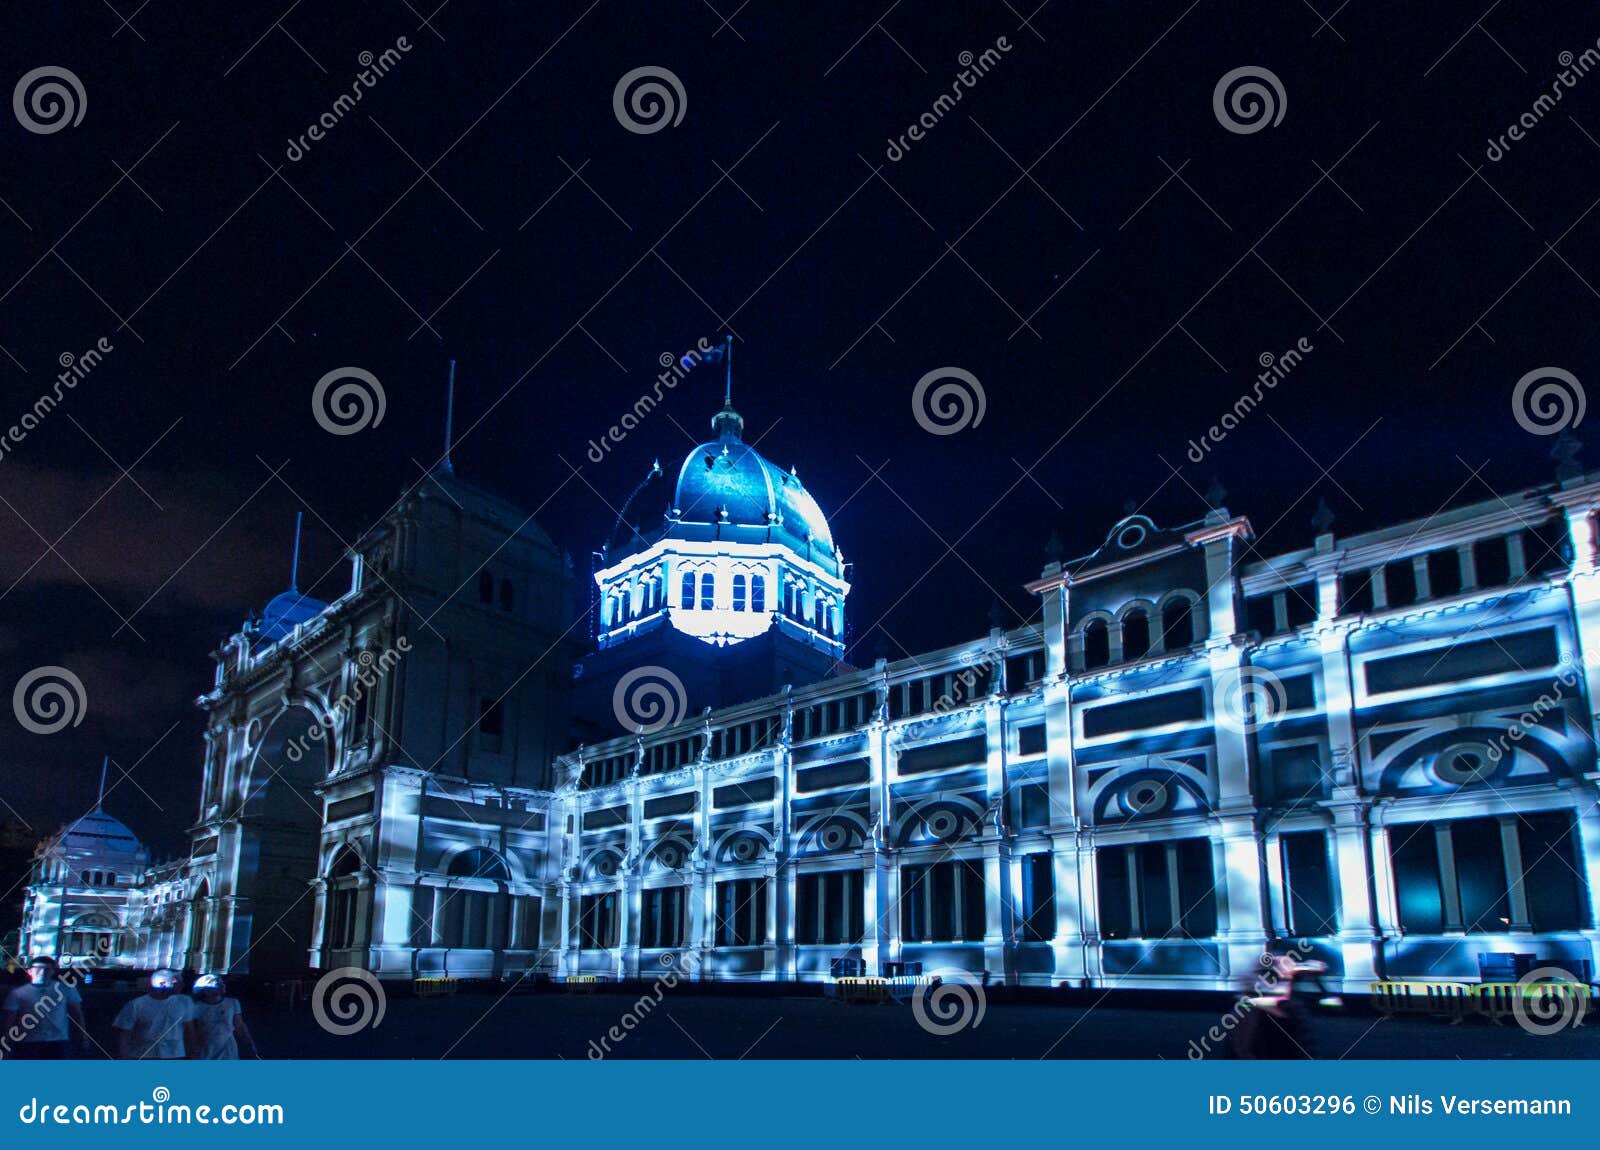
<point x="217" y="1030"/>
<point x="44" y="1017"/>
<point x="153" y="1025"/>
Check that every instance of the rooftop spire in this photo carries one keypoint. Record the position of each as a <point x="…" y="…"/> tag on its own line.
<point x="727" y="423"/>
<point x="449" y="420"/>
<point x="101" y="801"/>
<point x="294" y="563"/>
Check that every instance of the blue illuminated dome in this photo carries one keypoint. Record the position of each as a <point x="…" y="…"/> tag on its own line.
<point x="727" y="491"/>
<point x="285" y="611"/>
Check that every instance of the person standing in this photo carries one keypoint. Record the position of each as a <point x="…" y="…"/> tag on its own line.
<point x="43" y="1018"/>
<point x="218" y="1028"/>
<point x="155" y="1025"/>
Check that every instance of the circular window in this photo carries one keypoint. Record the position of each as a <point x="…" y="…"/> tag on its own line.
<point x="1145" y="797"/>
<point x="1131" y="536"/>
<point x="746" y="849"/>
<point x="834" y="837"/>
<point x="943" y="824"/>
<point x="670" y="856"/>
<point x="1464" y="763"/>
<point x="606" y="865"/>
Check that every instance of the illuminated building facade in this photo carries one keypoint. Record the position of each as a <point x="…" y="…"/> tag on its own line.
<point x="1378" y="750"/>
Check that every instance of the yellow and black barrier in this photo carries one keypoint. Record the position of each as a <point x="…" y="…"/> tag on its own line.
<point x="1493" y="1000"/>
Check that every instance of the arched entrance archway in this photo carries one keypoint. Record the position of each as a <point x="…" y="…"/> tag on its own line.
<point x="280" y="824"/>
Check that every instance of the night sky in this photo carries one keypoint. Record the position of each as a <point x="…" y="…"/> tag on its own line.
<point x="1080" y="232"/>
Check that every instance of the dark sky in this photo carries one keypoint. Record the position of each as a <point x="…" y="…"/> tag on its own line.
<point x="557" y="256"/>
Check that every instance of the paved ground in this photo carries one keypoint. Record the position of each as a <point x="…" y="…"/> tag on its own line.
<point x="689" y="1025"/>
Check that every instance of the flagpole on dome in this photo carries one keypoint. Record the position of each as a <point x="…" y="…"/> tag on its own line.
<point x="727" y="358"/>
<point x="445" y="465"/>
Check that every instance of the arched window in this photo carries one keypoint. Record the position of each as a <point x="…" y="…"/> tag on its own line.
<point x="479" y="862"/>
<point x="1096" y="644"/>
<point x="342" y="895"/>
<point x="739" y="592"/>
<point x="758" y="593"/>
<point x="485" y="587"/>
<point x="1135" y="635"/>
<point x="708" y="591"/>
<point x="1177" y="624"/>
<point x="508" y="595"/>
<point x="686" y="595"/>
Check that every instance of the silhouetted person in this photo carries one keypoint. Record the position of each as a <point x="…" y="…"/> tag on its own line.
<point x="43" y="1018"/>
<point x="217" y="1030"/>
<point x="155" y="1025"/>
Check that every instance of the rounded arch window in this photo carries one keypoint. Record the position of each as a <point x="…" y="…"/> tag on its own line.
<point x="1135" y="634"/>
<point x="1177" y="623"/>
<point x="479" y="862"/>
<point x="1096" y="644"/>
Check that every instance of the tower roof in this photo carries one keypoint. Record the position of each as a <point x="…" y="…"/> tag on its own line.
<point x="726" y="490"/>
